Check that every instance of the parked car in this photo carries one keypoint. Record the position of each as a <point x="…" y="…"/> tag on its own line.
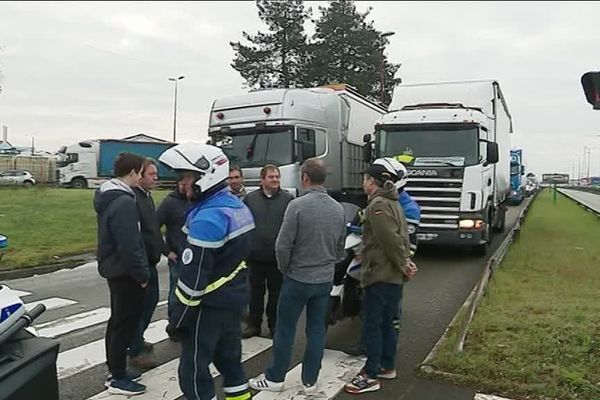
<point x="17" y="177"/>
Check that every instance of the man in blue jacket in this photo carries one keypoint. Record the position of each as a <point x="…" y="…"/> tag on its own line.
<point x="123" y="262"/>
<point x="212" y="289"/>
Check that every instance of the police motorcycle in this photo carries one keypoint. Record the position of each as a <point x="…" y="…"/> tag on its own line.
<point x="27" y="362"/>
<point x="345" y="295"/>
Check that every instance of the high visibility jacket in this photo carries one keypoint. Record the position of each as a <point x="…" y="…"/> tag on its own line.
<point x="211" y="268"/>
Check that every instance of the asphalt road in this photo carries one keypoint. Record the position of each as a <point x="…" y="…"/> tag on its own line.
<point x="590" y="200"/>
<point x="445" y="278"/>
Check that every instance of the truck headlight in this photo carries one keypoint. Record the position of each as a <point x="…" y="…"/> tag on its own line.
<point x="470" y="223"/>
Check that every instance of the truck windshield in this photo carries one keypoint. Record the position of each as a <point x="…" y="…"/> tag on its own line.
<point x="258" y="146"/>
<point x="422" y="145"/>
<point x="515" y="169"/>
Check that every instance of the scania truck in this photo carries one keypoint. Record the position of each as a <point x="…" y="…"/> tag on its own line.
<point x="287" y="126"/>
<point x="454" y="138"/>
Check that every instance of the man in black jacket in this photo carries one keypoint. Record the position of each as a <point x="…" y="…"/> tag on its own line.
<point x="172" y="213"/>
<point x="123" y="262"/>
<point x="268" y="206"/>
<point x="139" y="351"/>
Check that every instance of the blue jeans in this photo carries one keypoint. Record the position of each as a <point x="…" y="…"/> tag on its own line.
<point x="380" y="334"/>
<point x="150" y="300"/>
<point x="214" y="336"/>
<point x="294" y="296"/>
<point x="173" y="278"/>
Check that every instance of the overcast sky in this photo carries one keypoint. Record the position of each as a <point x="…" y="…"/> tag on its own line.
<point x="74" y="71"/>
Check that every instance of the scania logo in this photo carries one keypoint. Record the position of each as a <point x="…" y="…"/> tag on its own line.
<point x="422" y="172"/>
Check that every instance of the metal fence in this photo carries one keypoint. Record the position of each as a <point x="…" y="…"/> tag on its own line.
<point x="42" y="168"/>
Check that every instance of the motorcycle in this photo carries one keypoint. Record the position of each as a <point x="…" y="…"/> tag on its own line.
<point x="27" y="362"/>
<point x="346" y="295"/>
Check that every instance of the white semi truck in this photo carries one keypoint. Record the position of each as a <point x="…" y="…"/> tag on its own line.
<point x="287" y="126"/>
<point x="454" y="139"/>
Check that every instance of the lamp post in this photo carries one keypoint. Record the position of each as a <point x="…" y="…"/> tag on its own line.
<point x="382" y="65"/>
<point x="176" y="80"/>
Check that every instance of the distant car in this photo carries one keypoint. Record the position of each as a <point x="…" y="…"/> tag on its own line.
<point x="17" y="178"/>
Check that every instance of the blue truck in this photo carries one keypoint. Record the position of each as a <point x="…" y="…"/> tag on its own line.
<point x="85" y="163"/>
<point x="517" y="171"/>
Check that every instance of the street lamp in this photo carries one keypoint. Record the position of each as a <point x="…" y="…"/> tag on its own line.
<point x="176" y="80"/>
<point x="382" y="66"/>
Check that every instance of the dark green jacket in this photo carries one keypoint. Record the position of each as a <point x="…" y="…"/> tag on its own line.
<point x="385" y="240"/>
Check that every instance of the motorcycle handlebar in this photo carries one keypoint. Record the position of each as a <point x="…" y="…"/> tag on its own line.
<point x="23" y="322"/>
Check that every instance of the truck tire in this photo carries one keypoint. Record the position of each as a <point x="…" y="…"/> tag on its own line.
<point x="501" y="222"/>
<point x="481" y="249"/>
<point x="79" y="183"/>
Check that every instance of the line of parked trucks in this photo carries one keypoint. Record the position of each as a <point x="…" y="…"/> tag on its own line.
<point x="454" y="138"/>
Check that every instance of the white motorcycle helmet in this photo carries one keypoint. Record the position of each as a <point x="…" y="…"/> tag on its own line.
<point x="394" y="167"/>
<point x="208" y="161"/>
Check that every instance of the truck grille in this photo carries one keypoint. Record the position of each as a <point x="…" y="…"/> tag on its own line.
<point x="439" y="199"/>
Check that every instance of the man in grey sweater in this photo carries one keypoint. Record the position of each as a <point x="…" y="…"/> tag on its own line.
<point x="309" y="244"/>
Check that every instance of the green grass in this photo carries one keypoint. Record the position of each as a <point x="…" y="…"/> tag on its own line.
<point x="44" y="225"/>
<point x="536" y="334"/>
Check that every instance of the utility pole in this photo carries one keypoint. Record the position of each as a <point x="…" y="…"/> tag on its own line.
<point x="176" y="80"/>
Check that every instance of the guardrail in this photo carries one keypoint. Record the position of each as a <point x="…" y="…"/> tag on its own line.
<point x="582" y="203"/>
<point x="474" y="299"/>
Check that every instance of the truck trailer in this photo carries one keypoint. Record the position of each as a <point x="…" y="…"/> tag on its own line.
<point x="90" y="162"/>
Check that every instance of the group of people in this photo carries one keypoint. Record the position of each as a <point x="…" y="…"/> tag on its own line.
<point x="226" y="248"/>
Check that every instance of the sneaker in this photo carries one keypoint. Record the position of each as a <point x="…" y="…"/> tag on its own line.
<point x="143" y="361"/>
<point x="125" y="387"/>
<point x="309" y="389"/>
<point x="131" y="375"/>
<point x="250" y="331"/>
<point x="262" y="383"/>
<point x="387" y="374"/>
<point x="362" y="384"/>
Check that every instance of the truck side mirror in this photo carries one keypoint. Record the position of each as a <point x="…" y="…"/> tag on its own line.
<point x="367" y="152"/>
<point x="522" y="170"/>
<point x="493" y="155"/>
<point x="367" y="138"/>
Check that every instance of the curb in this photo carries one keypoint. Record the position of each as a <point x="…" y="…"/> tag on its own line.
<point x="74" y="262"/>
<point x="472" y="301"/>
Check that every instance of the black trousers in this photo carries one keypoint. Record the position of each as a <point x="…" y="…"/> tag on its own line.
<point x="263" y="277"/>
<point x="126" y="305"/>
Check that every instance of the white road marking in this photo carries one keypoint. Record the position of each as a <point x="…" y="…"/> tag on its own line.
<point x="51" y="303"/>
<point x="73" y="323"/>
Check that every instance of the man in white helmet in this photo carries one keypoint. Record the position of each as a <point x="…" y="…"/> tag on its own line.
<point x="211" y="291"/>
<point x="386" y="265"/>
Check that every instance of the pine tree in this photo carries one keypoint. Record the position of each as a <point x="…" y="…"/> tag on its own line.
<point x="348" y="49"/>
<point x="278" y="57"/>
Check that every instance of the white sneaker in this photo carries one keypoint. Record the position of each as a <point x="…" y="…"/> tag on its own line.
<point x="262" y="383"/>
<point x="308" y="390"/>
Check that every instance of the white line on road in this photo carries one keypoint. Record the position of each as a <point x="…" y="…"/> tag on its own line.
<point x="163" y="383"/>
<point x="84" y="357"/>
<point x="337" y="369"/>
<point x="73" y="323"/>
<point x="51" y="303"/>
<point x="480" y="396"/>
<point x="76" y="322"/>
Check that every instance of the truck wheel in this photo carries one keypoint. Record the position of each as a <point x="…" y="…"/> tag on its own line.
<point x="79" y="183"/>
<point x="501" y="223"/>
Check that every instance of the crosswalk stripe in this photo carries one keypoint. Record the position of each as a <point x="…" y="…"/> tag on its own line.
<point x="76" y="322"/>
<point x="480" y="396"/>
<point x="51" y="303"/>
<point x="337" y="369"/>
<point x="84" y="357"/>
<point x="73" y="322"/>
<point x="20" y="293"/>
<point x="163" y="383"/>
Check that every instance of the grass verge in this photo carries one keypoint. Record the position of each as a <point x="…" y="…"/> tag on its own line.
<point x="536" y="334"/>
<point x="44" y="224"/>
